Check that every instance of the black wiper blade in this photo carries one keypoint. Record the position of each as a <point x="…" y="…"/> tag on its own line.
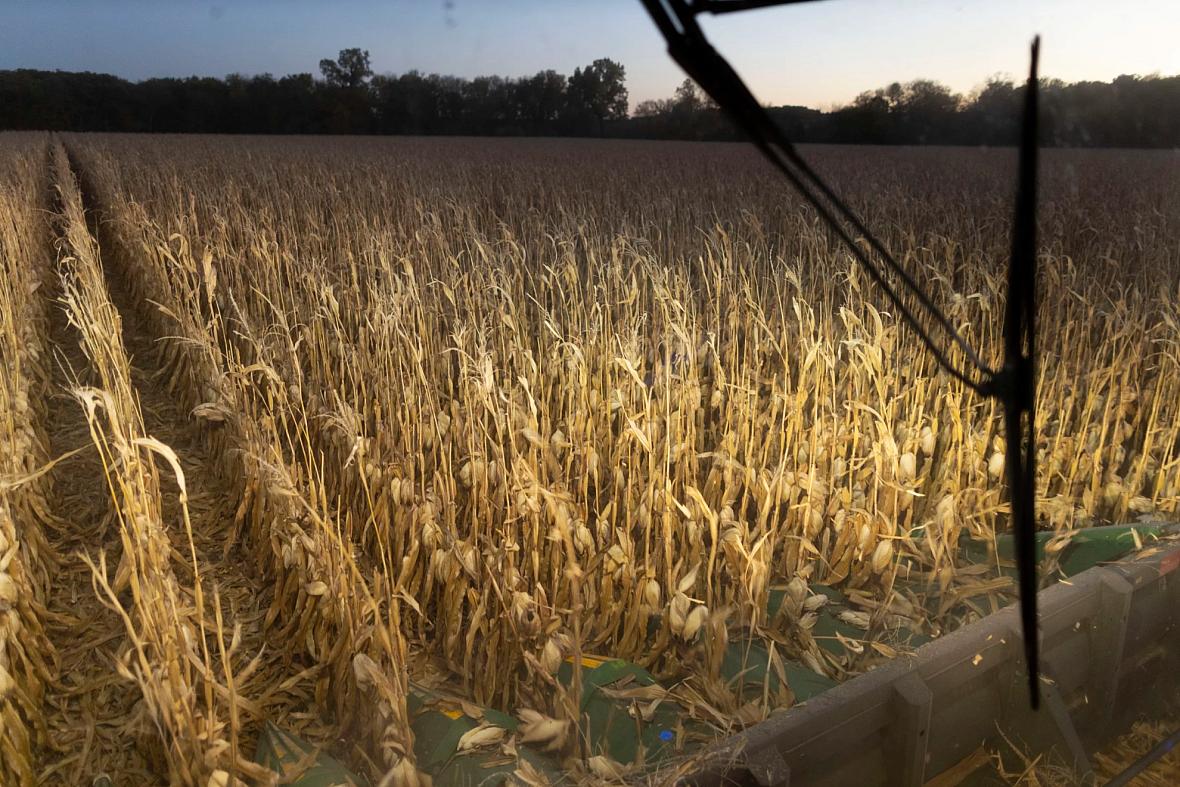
<point x="1014" y="383"/>
<point x="1019" y="356"/>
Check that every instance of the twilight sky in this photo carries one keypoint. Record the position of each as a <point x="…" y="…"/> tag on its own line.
<point x="817" y="54"/>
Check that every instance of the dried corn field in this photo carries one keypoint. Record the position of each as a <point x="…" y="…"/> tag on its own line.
<point x="328" y="433"/>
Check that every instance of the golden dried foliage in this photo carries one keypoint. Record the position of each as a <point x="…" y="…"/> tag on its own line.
<point x="491" y="405"/>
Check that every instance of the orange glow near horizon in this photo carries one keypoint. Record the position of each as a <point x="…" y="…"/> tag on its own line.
<point x="829" y="52"/>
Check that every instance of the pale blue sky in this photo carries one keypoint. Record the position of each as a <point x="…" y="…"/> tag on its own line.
<point x="816" y="54"/>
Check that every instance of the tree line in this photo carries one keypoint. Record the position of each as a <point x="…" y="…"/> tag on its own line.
<point x="1129" y="111"/>
<point x="348" y="98"/>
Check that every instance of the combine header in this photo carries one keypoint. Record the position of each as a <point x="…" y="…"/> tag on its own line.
<point x="1111" y="654"/>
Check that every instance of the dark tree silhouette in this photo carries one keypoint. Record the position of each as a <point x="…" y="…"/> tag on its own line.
<point x="600" y="90"/>
<point x="993" y="112"/>
<point x="539" y="101"/>
<point x="1130" y="111"/>
<point x="653" y="107"/>
<point x="927" y="112"/>
<point x="350" y="69"/>
<point x="347" y="106"/>
<point x="689" y="98"/>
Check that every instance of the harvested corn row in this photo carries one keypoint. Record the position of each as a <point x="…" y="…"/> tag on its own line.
<point x="333" y="607"/>
<point x="171" y="658"/>
<point x="26" y="655"/>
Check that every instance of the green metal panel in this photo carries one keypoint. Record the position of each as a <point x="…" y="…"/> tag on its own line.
<point x="299" y="764"/>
